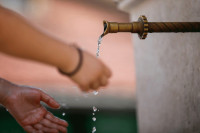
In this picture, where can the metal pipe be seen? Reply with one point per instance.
(143, 27)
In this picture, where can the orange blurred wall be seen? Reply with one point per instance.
(77, 22)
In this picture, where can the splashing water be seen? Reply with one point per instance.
(94, 109)
(63, 114)
(94, 129)
(95, 92)
(99, 43)
(94, 118)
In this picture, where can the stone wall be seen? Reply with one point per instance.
(167, 69)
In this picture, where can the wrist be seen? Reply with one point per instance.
(78, 65)
(6, 88)
(69, 60)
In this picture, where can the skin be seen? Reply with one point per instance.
(20, 38)
(24, 105)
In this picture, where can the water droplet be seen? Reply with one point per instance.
(93, 113)
(94, 109)
(95, 92)
(94, 118)
(94, 129)
(63, 114)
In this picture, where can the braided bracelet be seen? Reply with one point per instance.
(80, 52)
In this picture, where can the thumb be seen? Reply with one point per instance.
(49, 100)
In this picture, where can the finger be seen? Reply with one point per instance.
(84, 88)
(108, 72)
(40, 127)
(104, 81)
(29, 129)
(54, 119)
(94, 85)
(49, 100)
(40, 131)
(52, 125)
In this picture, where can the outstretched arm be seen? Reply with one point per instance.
(24, 105)
(19, 38)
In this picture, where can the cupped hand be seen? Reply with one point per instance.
(92, 74)
(24, 105)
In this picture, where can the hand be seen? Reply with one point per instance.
(92, 74)
(24, 105)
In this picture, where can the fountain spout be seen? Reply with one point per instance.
(114, 27)
(143, 27)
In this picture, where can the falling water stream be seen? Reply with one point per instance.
(96, 92)
(98, 47)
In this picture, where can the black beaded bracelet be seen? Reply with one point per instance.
(80, 52)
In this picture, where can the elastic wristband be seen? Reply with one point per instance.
(80, 52)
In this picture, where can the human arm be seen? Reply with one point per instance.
(21, 39)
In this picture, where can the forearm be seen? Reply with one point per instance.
(19, 38)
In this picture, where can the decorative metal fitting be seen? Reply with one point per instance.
(143, 27)
(143, 20)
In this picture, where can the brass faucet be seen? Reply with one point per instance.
(143, 27)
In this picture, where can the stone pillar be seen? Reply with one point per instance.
(167, 68)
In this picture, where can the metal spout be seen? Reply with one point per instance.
(114, 27)
(143, 27)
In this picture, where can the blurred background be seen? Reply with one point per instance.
(80, 22)
(165, 66)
